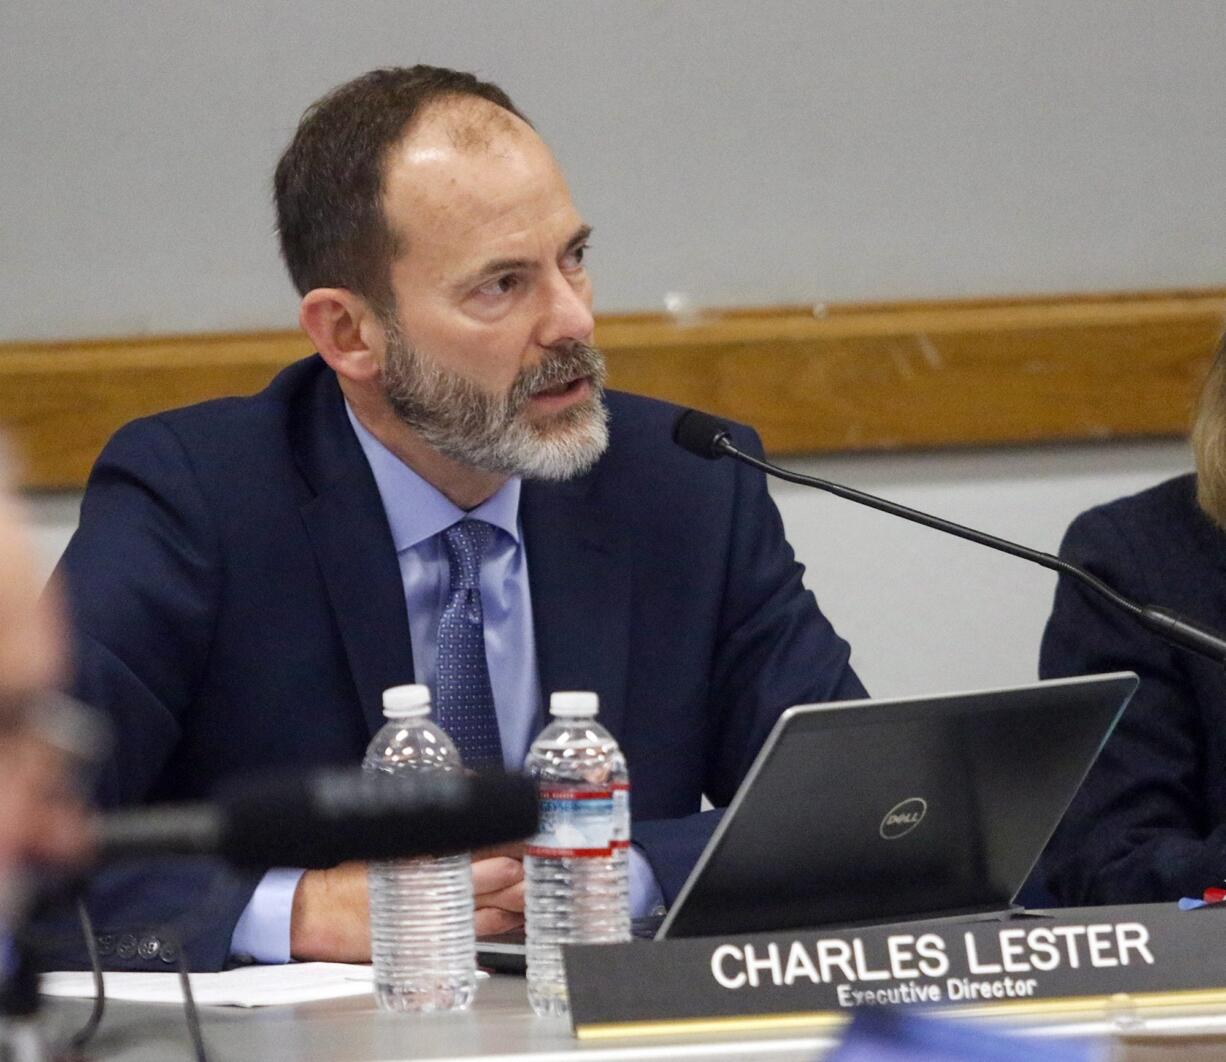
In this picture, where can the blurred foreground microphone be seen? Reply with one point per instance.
(704, 435)
(327, 817)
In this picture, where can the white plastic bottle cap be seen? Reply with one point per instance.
(404, 702)
(574, 704)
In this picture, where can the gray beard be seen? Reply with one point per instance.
(489, 432)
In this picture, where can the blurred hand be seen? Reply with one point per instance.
(42, 816)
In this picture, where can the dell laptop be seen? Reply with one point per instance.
(887, 810)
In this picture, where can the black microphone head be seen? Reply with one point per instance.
(325, 818)
(701, 434)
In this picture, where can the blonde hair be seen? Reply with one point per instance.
(1209, 440)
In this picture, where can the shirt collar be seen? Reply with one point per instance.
(417, 510)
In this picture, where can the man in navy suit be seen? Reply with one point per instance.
(249, 574)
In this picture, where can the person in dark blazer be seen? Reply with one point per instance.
(250, 574)
(1149, 823)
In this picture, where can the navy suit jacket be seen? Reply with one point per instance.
(1149, 823)
(237, 606)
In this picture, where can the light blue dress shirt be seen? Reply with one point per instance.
(417, 513)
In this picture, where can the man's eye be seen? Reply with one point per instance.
(502, 285)
(573, 258)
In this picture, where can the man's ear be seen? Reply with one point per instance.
(346, 332)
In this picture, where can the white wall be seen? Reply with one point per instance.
(926, 612)
(742, 153)
(922, 611)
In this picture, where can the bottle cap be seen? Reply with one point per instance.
(405, 702)
(572, 703)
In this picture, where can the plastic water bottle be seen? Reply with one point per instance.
(421, 910)
(576, 869)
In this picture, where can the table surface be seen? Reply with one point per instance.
(499, 1028)
(500, 1025)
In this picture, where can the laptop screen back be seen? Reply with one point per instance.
(884, 810)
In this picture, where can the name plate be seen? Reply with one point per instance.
(1112, 957)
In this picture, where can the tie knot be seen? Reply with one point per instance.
(467, 542)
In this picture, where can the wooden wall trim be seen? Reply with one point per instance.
(843, 377)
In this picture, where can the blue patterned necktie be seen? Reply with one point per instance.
(463, 699)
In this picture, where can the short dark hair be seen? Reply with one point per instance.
(328, 185)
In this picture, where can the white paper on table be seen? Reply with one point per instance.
(246, 986)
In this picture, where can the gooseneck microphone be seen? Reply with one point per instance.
(327, 817)
(704, 435)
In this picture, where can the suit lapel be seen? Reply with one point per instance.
(353, 546)
(578, 568)
(580, 578)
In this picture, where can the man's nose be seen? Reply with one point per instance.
(568, 312)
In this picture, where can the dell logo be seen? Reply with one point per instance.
(902, 818)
